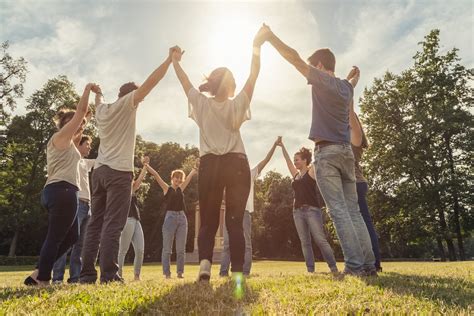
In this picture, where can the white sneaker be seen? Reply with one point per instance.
(204, 270)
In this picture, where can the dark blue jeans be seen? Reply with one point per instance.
(362, 189)
(75, 264)
(60, 199)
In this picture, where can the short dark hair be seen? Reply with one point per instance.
(85, 138)
(305, 154)
(126, 88)
(325, 57)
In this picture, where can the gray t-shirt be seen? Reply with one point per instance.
(331, 101)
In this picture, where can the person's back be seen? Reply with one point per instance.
(116, 129)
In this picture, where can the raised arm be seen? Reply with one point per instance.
(288, 53)
(188, 179)
(255, 65)
(182, 76)
(354, 76)
(356, 128)
(164, 186)
(152, 80)
(289, 163)
(138, 182)
(63, 138)
(269, 155)
(98, 96)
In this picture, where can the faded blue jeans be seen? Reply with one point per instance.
(225, 259)
(174, 226)
(309, 222)
(334, 165)
(132, 233)
(83, 214)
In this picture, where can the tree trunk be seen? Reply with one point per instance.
(447, 237)
(441, 249)
(12, 251)
(457, 207)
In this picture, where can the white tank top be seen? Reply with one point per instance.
(63, 165)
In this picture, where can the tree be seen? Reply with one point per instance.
(420, 125)
(25, 157)
(12, 77)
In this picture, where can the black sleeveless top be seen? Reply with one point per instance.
(134, 211)
(306, 192)
(174, 200)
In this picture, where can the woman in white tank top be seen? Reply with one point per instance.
(59, 195)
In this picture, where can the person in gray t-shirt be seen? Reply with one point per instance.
(334, 160)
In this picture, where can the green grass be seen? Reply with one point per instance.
(274, 288)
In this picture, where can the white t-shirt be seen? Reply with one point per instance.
(85, 166)
(253, 176)
(116, 126)
(219, 122)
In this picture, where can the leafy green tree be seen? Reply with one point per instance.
(25, 159)
(420, 125)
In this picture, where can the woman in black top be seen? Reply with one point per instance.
(132, 231)
(176, 223)
(307, 208)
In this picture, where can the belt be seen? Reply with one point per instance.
(325, 143)
(84, 200)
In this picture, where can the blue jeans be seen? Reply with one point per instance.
(132, 233)
(362, 189)
(225, 259)
(60, 199)
(175, 225)
(75, 258)
(309, 222)
(335, 176)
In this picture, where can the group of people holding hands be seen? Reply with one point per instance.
(219, 112)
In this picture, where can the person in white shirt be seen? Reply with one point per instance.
(247, 221)
(83, 214)
(112, 177)
(223, 162)
(59, 194)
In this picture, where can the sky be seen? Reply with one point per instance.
(113, 42)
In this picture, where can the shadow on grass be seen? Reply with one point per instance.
(8, 293)
(451, 291)
(200, 298)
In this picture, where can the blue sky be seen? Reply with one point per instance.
(112, 42)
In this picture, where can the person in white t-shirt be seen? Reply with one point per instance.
(224, 164)
(247, 221)
(112, 177)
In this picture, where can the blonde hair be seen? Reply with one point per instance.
(176, 173)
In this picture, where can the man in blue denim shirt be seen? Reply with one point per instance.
(334, 160)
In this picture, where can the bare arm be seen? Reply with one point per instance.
(63, 138)
(356, 129)
(182, 76)
(289, 163)
(267, 158)
(138, 182)
(255, 65)
(188, 179)
(353, 76)
(289, 54)
(164, 186)
(151, 81)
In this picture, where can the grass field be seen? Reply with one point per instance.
(274, 288)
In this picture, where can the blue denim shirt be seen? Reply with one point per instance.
(331, 101)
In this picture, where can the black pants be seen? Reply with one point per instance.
(216, 173)
(111, 196)
(60, 199)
